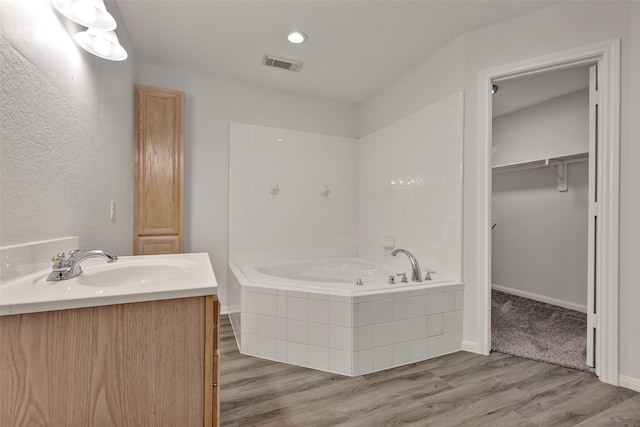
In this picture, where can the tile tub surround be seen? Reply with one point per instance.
(349, 335)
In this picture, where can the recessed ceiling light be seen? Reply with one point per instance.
(297, 37)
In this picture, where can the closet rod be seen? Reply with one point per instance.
(541, 163)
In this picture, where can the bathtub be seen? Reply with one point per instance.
(311, 313)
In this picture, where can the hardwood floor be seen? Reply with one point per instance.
(458, 389)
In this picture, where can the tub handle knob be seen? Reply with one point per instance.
(359, 282)
(404, 277)
(392, 280)
(429, 273)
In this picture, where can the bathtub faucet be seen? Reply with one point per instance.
(416, 275)
(67, 268)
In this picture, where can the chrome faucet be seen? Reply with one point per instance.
(416, 275)
(65, 268)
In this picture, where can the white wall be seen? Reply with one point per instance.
(556, 127)
(566, 25)
(66, 132)
(298, 221)
(211, 105)
(435, 78)
(539, 244)
(410, 188)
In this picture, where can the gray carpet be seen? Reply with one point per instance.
(538, 331)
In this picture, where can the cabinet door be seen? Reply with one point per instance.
(158, 163)
(155, 245)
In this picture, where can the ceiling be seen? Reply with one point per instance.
(518, 93)
(355, 47)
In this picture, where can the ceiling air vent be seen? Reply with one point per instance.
(285, 64)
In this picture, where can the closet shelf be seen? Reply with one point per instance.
(541, 163)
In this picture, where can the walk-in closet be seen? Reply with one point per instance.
(540, 216)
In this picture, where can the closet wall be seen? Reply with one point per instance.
(539, 243)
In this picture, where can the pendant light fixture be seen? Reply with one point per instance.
(104, 44)
(88, 13)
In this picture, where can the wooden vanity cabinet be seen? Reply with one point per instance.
(158, 171)
(139, 364)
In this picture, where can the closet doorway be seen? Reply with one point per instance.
(602, 300)
(541, 184)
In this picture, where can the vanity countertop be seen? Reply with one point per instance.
(130, 279)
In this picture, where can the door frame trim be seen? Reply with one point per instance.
(607, 55)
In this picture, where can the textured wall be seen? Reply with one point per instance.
(66, 132)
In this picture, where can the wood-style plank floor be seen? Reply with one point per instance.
(461, 389)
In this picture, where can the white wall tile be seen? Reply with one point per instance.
(382, 311)
(383, 334)
(434, 346)
(419, 328)
(250, 344)
(401, 353)
(382, 358)
(435, 325)
(318, 334)
(435, 303)
(365, 362)
(418, 350)
(282, 351)
(419, 305)
(451, 342)
(267, 326)
(282, 306)
(365, 314)
(253, 302)
(318, 311)
(318, 357)
(267, 348)
(340, 361)
(341, 338)
(297, 353)
(401, 309)
(268, 304)
(250, 324)
(363, 338)
(401, 331)
(297, 331)
(297, 308)
(340, 314)
(449, 301)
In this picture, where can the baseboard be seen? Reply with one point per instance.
(629, 382)
(541, 298)
(471, 347)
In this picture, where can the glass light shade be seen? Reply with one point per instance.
(104, 44)
(297, 37)
(88, 13)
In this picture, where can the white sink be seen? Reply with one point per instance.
(130, 279)
(130, 275)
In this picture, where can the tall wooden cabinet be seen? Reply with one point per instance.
(158, 169)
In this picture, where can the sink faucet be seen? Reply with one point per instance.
(416, 275)
(66, 268)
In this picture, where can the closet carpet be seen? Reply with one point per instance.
(535, 330)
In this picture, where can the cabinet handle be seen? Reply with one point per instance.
(215, 384)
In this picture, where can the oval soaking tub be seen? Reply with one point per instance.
(311, 312)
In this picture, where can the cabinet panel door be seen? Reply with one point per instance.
(155, 245)
(159, 161)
